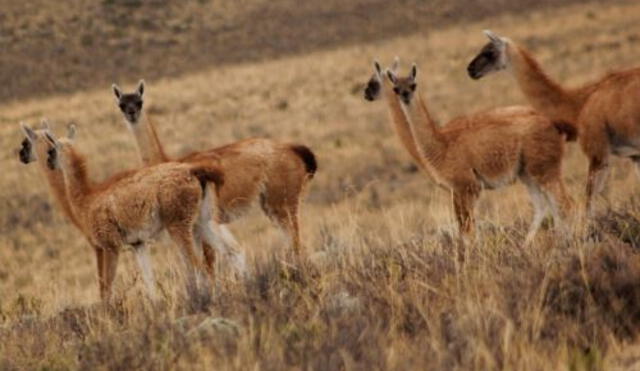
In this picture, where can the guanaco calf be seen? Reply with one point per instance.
(490, 149)
(133, 206)
(605, 112)
(274, 173)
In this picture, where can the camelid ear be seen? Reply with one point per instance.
(376, 65)
(116, 91)
(28, 132)
(395, 64)
(493, 37)
(414, 72)
(140, 88)
(52, 139)
(71, 131)
(44, 123)
(392, 76)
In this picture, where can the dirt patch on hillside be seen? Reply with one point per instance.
(52, 47)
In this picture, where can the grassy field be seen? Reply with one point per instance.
(381, 288)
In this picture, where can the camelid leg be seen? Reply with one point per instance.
(109, 269)
(596, 182)
(208, 252)
(561, 206)
(539, 204)
(143, 258)
(182, 235)
(283, 210)
(100, 262)
(464, 200)
(217, 236)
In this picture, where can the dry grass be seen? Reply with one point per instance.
(381, 288)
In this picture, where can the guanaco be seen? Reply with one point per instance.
(379, 87)
(274, 173)
(34, 148)
(489, 150)
(132, 207)
(605, 112)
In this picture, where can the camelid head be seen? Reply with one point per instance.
(373, 89)
(404, 87)
(492, 58)
(130, 104)
(57, 156)
(34, 146)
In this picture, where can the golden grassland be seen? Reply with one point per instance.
(382, 288)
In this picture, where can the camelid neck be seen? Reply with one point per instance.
(76, 181)
(55, 178)
(400, 123)
(429, 141)
(149, 146)
(543, 93)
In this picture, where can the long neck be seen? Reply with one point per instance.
(76, 182)
(542, 92)
(400, 123)
(429, 141)
(55, 178)
(149, 146)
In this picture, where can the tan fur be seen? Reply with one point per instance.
(54, 177)
(134, 206)
(255, 169)
(605, 112)
(490, 149)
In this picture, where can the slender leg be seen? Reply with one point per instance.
(183, 237)
(539, 204)
(109, 268)
(143, 259)
(218, 236)
(101, 278)
(463, 203)
(561, 206)
(596, 182)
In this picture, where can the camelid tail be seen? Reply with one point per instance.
(208, 174)
(567, 129)
(307, 157)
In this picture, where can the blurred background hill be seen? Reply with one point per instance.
(51, 47)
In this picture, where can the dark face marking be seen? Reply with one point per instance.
(405, 88)
(372, 90)
(484, 62)
(52, 155)
(131, 106)
(25, 152)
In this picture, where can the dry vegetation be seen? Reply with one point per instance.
(382, 288)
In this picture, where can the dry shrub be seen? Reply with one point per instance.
(597, 293)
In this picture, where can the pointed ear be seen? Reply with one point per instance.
(51, 139)
(71, 131)
(414, 72)
(116, 91)
(45, 124)
(140, 88)
(395, 64)
(376, 65)
(493, 37)
(392, 76)
(28, 132)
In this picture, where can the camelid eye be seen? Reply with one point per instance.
(396, 90)
(122, 106)
(139, 104)
(413, 86)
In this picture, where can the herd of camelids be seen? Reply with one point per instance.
(194, 196)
